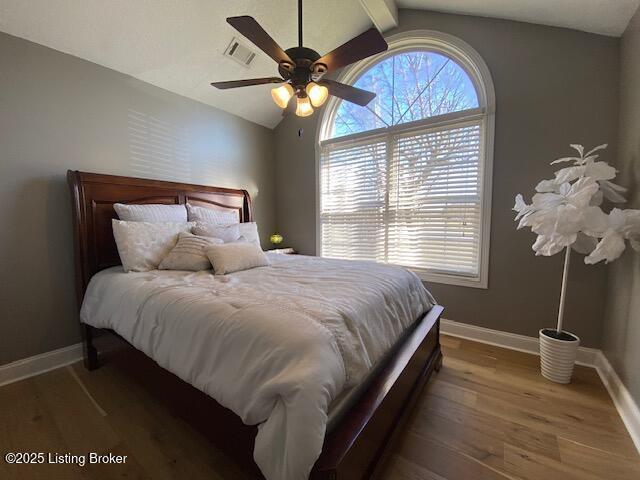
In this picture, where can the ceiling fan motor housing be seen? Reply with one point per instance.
(304, 71)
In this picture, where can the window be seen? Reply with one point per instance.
(406, 179)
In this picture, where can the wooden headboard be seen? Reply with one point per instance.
(93, 196)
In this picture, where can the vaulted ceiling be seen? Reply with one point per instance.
(606, 17)
(179, 45)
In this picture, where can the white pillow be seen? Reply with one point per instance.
(249, 230)
(189, 253)
(143, 245)
(151, 212)
(219, 217)
(228, 233)
(233, 257)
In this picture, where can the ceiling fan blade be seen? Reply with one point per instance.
(363, 46)
(246, 83)
(348, 93)
(252, 30)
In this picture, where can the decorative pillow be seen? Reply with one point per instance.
(189, 253)
(228, 233)
(233, 257)
(143, 245)
(219, 217)
(249, 230)
(151, 212)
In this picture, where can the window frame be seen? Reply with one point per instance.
(475, 67)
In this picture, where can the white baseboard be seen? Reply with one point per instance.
(28, 367)
(590, 357)
(512, 341)
(622, 399)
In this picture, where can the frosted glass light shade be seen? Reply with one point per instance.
(318, 94)
(304, 108)
(281, 95)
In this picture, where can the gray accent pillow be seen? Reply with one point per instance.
(189, 253)
(237, 256)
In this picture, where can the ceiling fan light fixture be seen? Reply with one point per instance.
(304, 108)
(302, 69)
(318, 94)
(282, 94)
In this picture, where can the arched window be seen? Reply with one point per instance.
(407, 179)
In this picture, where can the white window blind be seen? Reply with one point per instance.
(410, 198)
(353, 196)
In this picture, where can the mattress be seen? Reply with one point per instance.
(278, 345)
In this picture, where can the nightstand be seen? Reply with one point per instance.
(284, 251)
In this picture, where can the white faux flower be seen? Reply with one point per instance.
(608, 249)
(612, 192)
(582, 158)
(631, 228)
(586, 166)
(565, 211)
(611, 244)
(556, 217)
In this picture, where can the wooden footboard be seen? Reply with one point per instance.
(355, 446)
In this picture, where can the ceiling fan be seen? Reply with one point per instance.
(302, 69)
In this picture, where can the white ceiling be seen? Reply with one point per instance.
(606, 17)
(178, 45)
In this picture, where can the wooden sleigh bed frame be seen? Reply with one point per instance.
(356, 443)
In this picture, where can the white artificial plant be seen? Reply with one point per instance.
(566, 212)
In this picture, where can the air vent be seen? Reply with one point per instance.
(239, 53)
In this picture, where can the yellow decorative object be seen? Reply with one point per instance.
(276, 239)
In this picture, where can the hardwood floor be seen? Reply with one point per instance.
(487, 414)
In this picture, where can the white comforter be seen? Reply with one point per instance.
(274, 344)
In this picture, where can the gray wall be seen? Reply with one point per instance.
(59, 112)
(622, 317)
(553, 87)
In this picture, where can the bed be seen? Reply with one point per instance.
(362, 417)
